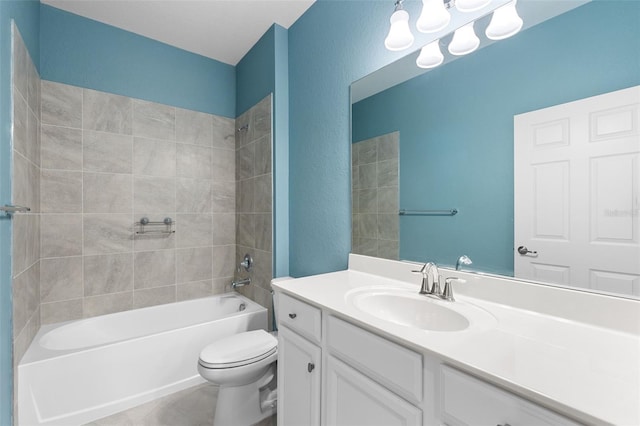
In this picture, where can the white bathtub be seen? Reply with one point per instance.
(80, 371)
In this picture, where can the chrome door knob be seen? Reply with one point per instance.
(524, 250)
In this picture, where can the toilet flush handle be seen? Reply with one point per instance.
(292, 316)
(310, 367)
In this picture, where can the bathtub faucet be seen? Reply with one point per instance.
(241, 283)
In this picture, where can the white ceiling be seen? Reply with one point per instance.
(224, 30)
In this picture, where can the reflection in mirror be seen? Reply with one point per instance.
(374, 180)
(456, 123)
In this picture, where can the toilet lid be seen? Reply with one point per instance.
(238, 349)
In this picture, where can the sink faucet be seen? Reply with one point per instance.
(430, 279)
(431, 282)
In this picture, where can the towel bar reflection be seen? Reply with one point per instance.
(144, 222)
(450, 212)
(10, 209)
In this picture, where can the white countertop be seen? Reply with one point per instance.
(587, 372)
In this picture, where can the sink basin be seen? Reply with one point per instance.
(411, 311)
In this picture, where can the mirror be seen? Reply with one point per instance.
(454, 128)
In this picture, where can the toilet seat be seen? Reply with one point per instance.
(238, 350)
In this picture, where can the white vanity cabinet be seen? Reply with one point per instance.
(299, 362)
(467, 401)
(370, 380)
(335, 373)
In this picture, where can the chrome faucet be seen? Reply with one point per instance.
(431, 282)
(430, 279)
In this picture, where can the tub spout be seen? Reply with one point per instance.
(241, 283)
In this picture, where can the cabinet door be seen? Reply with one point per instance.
(467, 401)
(299, 376)
(353, 399)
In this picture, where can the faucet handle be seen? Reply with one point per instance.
(447, 293)
(424, 286)
(422, 270)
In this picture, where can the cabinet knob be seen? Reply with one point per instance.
(310, 367)
(292, 316)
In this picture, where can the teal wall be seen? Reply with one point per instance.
(333, 44)
(27, 17)
(263, 70)
(281, 155)
(456, 125)
(255, 73)
(86, 53)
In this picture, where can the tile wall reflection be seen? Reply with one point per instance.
(108, 160)
(375, 196)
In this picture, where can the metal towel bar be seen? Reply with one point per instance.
(9, 209)
(451, 212)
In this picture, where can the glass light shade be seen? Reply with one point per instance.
(505, 22)
(430, 55)
(434, 16)
(399, 37)
(471, 5)
(464, 41)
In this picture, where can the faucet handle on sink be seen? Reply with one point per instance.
(425, 287)
(447, 293)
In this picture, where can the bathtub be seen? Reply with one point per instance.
(80, 371)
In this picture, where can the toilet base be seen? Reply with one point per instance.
(247, 404)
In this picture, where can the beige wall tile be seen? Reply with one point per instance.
(61, 192)
(107, 304)
(107, 152)
(112, 273)
(154, 268)
(154, 296)
(61, 104)
(106, 112)
(60, 279)
(61, 311)
(61, 235)
(194, 127)
(61, 148)
(153, 120)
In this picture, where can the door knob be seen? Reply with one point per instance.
(523, 250)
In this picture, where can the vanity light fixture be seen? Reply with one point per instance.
(464, 40)
(399, 37)
(505, 22)
(430, 55)
(434, 16)
(471, 5)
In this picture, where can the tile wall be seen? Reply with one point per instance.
(254, 200)
(26, 192)
(109, 160)
(375, 197)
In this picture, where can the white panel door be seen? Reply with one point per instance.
(577, 193)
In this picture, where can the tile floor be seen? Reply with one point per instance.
(194, 406)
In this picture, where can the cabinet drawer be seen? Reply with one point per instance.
(299, 316)
(470, 401)
(392, 365)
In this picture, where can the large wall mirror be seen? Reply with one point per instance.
(448, 134)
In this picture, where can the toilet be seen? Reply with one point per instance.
(244, 366)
